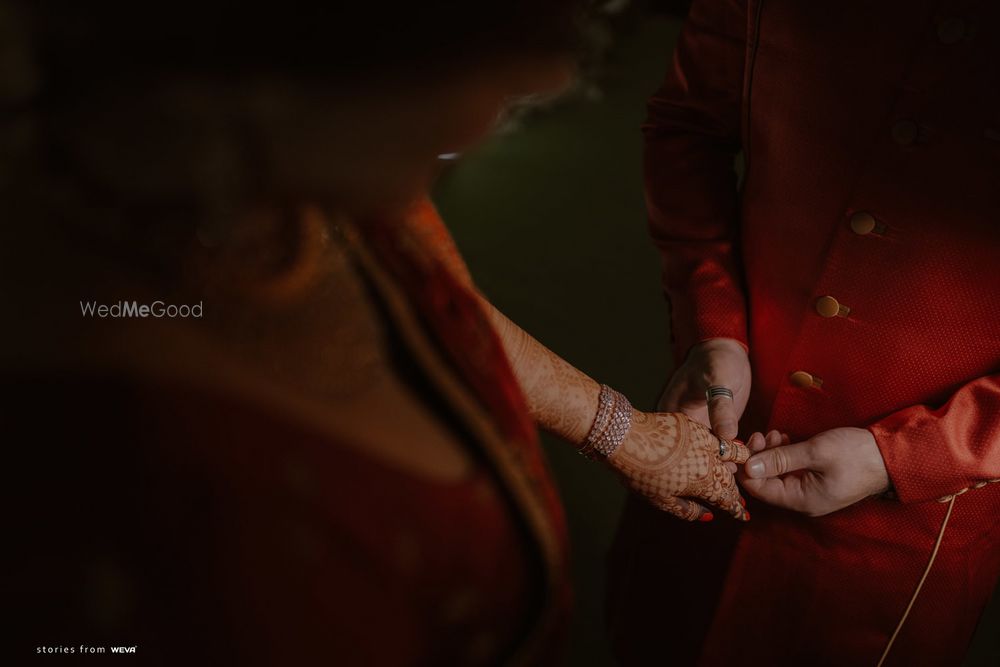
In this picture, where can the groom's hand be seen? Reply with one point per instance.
(719, 362)
(825, 473)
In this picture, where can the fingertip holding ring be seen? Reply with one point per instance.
(739, 453)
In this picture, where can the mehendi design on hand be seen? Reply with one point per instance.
(669, 458)
(561, 399)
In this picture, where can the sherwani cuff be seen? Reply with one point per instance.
(937, 454)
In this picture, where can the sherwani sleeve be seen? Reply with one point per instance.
(691, 139)
(934, 453)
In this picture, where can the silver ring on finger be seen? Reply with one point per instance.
(723, 448)
(716, 390)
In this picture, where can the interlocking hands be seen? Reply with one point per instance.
(823, 474)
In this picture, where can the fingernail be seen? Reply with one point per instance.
(755, 468)
(738, 441)
(705, 518)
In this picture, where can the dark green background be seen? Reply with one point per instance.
(550, 218)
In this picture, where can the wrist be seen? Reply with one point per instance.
(879, 474)
(731, 344)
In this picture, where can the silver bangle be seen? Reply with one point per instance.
(611, 424)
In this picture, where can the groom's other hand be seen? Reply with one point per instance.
(717, 362)
(821, 475)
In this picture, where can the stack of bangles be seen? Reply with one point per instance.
(611, 425)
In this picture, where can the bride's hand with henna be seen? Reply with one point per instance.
(670, 459)
(675, 463)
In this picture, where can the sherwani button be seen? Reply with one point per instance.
(951, 31)
(827, 306)
(801, 379)
(905, 132)
(862, 223)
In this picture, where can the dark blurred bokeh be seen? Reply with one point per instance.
(549, 215)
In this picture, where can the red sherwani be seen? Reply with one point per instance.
(859, 263)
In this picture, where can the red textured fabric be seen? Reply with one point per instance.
(890, 109)
(194, 524)
(208, 528)
(422, 257)
(695, 190)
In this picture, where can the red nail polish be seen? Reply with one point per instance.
(706, 517)
(746, 516)
(743, 501)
